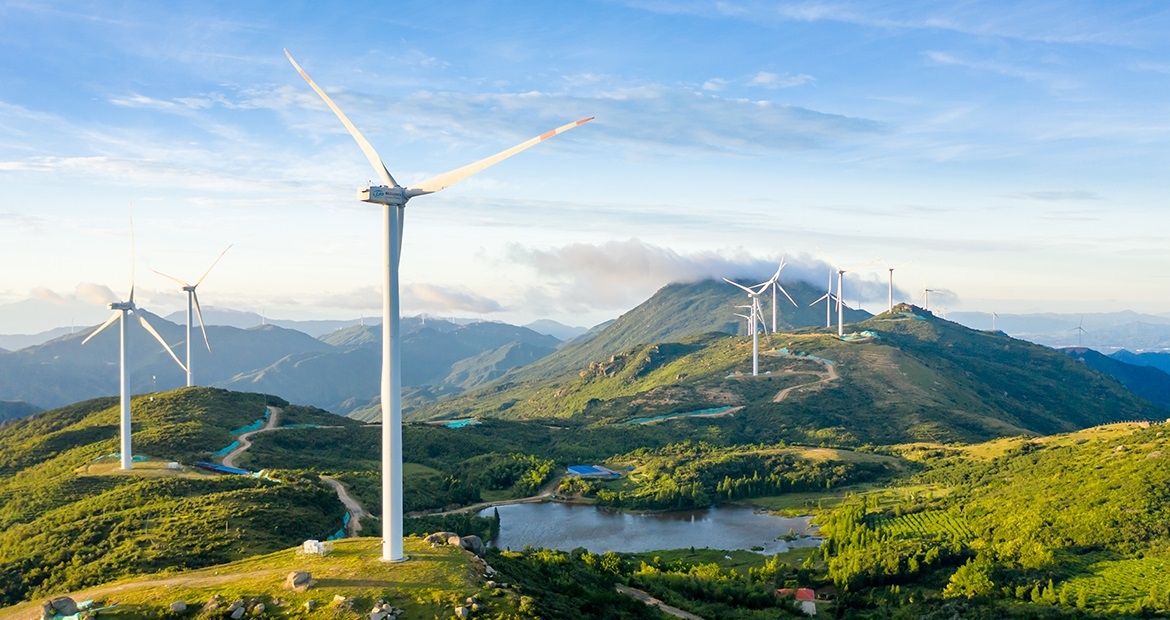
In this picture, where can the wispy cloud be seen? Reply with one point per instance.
(1058, 195)
(1046, 78)
(780, 80)
(415, 298)
(85, 292)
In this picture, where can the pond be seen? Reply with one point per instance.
(565, 527)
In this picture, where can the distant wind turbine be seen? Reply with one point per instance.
(121, 308)
(193, 301)
(828, 297)
(774, 282)
(1080, 330)
(754, 295)
(891, 268)
(393, 198)
(841, 299)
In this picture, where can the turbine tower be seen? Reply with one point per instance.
(393, 198)
(193, 301)
(754, 295)
(121, 308)
(891, 268)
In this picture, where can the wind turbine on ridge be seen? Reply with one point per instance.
(393, 198)
(891, 268)
(121, 308)
(754, 295)
(829, 298)
(841, 299)
(774, 282)
(193, 300)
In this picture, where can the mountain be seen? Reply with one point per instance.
(1157, 359)
(677, 311)
(906, 376)
(348, 377)
(1104, 331)
(15, 342)
(1152, 384)
(560, 331)
(339, 371)
(12, 409)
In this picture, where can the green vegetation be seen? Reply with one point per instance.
(430, 585)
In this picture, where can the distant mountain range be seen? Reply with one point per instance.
(1103, 331)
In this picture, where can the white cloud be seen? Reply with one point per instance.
(715, 84)
(86, 292)
(434, 298)
(780, 80)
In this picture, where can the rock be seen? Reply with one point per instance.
(474, 544)
(490, 584)
(454, 540)
(237, 604)
(238, 613)
(470, 600)
(342, 603)
(440, 537)
(378, 615)
(62, 605)
(462, 612)
(299, 581)
(310, 605)
(179, 606)
(212, 604)
(258, 610)
(475, 607)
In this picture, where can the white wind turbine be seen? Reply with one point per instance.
(193, 301)
(774, 282)
(120, 309)
(841, 300)
(829, 299)
(754, 321)
(891, 268)
(393, 198)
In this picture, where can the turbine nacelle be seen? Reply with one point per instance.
(383, 195)
(123, 305)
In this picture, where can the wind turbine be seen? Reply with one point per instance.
(841, 300)
(828, 297)
(121, 308)
(393, 198)
(193, 300)
(774, 282)
(926, 296)
(891, 268)
(1080, 330)
(754, 295)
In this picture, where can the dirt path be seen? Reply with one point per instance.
(355, 509)
(831, 375)
(245, 443)
(653, 602)
(545, 494)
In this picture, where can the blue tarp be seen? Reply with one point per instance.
(678, 415)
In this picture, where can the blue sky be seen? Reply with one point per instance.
(1016, 156)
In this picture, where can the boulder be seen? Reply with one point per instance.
(60, 606)
(462, 612)
(238, 613)
(213, 604)
(179, 606)
(310, 605)
(258, 609)
(440, 537)
(454, 540)
(473, 544)
(299, 581)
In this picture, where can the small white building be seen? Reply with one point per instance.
(313, 547)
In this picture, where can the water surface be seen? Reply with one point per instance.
(565, 527)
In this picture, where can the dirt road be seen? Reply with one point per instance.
(245, 439)
(653, 602)
(355, 509)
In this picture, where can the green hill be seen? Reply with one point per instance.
(70, 518)
(914, 377)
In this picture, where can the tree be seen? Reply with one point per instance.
(971, 579)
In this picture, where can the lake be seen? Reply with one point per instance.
(554, 525)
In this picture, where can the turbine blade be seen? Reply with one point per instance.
(818, 300)
(170, 277)
(199, 313)
(748, 290)
(159, 338)
(371, 155)
(786, 293)
(132, 270)
(109, 321)
(200, 280)
(448, 179)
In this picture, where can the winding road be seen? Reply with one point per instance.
(355, 509)
(245, 439)
(831, 375)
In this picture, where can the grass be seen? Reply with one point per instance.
(739, 560)
(430, 584)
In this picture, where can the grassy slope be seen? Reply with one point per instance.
(68, 517)
(431, 584)
(922, 379)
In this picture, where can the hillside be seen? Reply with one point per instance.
(1068, 525)
(678, 311)
(70, 518)
(917, 378)
(1149, 382)
(440, 579)
(1157, 359)
(12, 409)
